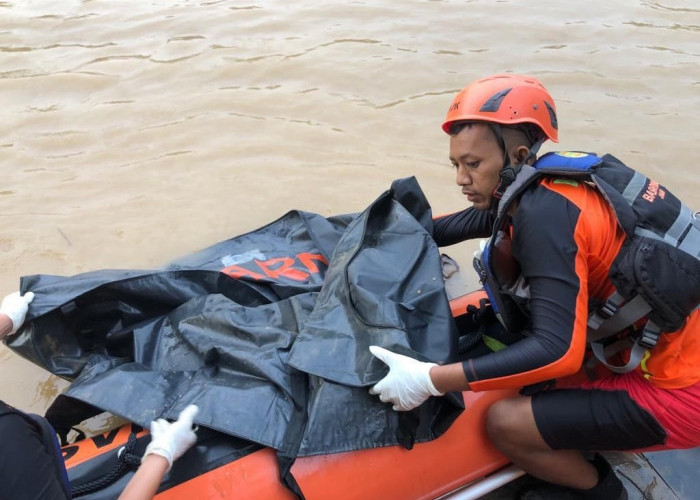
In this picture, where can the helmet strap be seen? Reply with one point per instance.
(534, 149)
(509, 172)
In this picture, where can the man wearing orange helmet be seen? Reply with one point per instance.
(560, 236)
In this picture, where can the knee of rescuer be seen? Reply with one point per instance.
(504, 419)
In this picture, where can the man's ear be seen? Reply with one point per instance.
(520, 154)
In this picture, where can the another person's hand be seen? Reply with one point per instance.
(15, 307)
(408, 383)
(172, 440)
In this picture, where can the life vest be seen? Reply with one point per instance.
(656, 273)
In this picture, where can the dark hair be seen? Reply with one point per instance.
(458, 126)
(532, 132)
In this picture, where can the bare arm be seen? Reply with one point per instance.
(5, 325)
(144, 484)
(169, 440)
(448, 378)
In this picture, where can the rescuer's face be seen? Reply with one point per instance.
(478, 159)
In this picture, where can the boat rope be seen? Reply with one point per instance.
(471, 339)
(126, 460)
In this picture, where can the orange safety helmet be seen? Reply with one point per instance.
(507, 100)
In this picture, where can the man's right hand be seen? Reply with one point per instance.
(171, 439)
(408, 383)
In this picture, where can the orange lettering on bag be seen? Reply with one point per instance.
(308, 259)
(285, 268)
(240, 272)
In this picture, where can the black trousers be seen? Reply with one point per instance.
(592, 419)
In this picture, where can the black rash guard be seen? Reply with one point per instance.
(547, 235)
(461, 226)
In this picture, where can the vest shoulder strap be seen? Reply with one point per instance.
(566, 163)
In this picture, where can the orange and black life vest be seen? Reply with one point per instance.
(656, 273)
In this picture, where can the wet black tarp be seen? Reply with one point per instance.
(267, 332)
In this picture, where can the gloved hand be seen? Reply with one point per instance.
(15, 306)
(408, 383)
(172, 440)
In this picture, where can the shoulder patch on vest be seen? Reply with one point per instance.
(567, 161)
(570, 182)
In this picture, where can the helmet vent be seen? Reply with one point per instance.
(494, 102)
(552, 115)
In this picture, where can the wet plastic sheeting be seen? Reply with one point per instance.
(365, 422)
(363, 303)
(267, 332)
(227, 358)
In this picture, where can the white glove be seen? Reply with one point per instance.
(408, 383)
(15, 306)
(172, 440)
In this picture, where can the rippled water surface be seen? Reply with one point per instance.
(133, 132)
